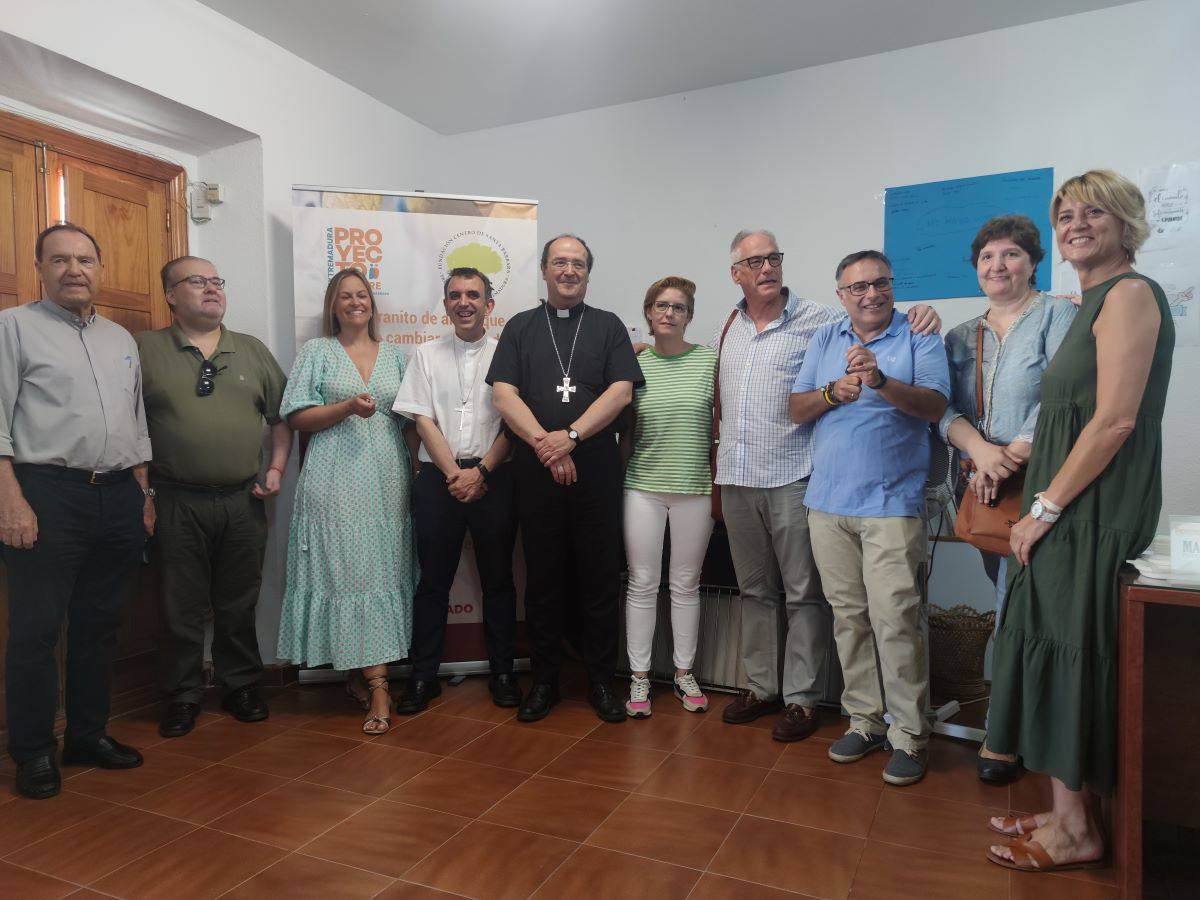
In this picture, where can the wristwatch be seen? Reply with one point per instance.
(1044, 511)
(573, 434)
(483, 471)
(882, 381)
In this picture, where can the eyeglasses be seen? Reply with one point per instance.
(205, 384)
(756, 262)
(662, 306)
(859, 288)
(199, 282)
(561, 264)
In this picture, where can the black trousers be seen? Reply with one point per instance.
(212, 545)
(81, 569)
(582, 522)
(441, 524)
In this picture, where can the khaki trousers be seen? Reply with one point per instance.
(868, 569)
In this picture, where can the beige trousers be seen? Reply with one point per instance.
(868, 569)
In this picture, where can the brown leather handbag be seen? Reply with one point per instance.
(717, 513)
(987, 526)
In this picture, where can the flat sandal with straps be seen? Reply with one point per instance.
(376, 725)
(1015, 826)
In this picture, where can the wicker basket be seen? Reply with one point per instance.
(958, 639)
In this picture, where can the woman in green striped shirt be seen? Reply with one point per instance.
(667, 478)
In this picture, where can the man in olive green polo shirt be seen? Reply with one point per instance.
(207, 392)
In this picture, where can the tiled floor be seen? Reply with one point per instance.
(462, 800)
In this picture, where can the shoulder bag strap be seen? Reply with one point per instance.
(716, 422)
(979, 372)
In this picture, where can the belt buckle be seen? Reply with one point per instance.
(92, 478)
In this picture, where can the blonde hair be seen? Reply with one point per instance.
(1114, 194)
(329, 321)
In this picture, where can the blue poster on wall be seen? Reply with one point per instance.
(928, 229)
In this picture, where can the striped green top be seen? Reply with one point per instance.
(674, 423)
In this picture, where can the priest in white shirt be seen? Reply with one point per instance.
(463, 483)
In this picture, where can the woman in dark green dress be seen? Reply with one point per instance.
(1092, 497)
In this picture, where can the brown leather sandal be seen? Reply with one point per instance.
(376, 725)
(1030, 856)
(1015, 826)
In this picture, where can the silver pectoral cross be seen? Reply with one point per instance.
(566, 389)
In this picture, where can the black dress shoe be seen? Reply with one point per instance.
(417, 695)
(179, 719)
(538, 702)
(505, 690)
(106, 753)
(246, 704)
(38, 778)
(605, 702)
(998, 771)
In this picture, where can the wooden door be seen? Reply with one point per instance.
(128, 215)
(18, 222)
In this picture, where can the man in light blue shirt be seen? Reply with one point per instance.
(871, 386)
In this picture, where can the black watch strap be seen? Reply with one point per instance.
(882, 380)
(483, 470)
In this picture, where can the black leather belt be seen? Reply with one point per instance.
(469, 463)
(218, 489)
(82, 475)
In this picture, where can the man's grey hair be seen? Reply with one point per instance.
(745, 233)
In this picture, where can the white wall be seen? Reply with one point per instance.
(660, 186)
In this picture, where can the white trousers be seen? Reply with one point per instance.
(646, 516)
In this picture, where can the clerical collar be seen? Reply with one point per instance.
(569, 313)
(469, 345)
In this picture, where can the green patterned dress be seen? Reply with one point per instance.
(351, 562)
(1054, 678)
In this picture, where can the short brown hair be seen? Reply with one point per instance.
(165, 272)
(1017, 228)
(64, 226)
(1114, 194)
(329, 322)
(681, 284)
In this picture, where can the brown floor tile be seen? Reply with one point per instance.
(608, 765)
(732, 743)
(139, 728)
(223, 739)
(18, 882)
(207, 794)
(812, 758)
(490, 861)
(1032, 886)
(704, 781)
(522, 749)
(302, 877)
(292, 815)
(122, 785)
(806, 860)
(886, 871)
(655, 733)
(570, 717)
(406, 890)
(345, 720)
(204, 863)
(565, 809)
(817, 803)
(938, 825)
(1031, 793)
(952, 775)
(718, 887)
(459, 787)
(292, 707)
(88, 894)
(25, 821)
(474, 705)
(386, 837)
(8, 789)
(372, 769)
(592, 872)
(666, 830)
(292, 754)
(97, 846)
(433, 733)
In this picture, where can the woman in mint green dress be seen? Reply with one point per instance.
(1093, 493)
(351, 567)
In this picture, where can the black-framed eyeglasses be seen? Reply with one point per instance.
(859, 288)
(662, 306)
(756, 262)
(205, 384)
(199, 282)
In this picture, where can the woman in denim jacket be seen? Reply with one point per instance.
(1022, 329)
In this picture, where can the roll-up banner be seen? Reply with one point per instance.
(405, 243)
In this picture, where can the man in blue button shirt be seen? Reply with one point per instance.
(872, 386)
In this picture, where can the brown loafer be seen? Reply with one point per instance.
(796, 724)
(746, 707)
